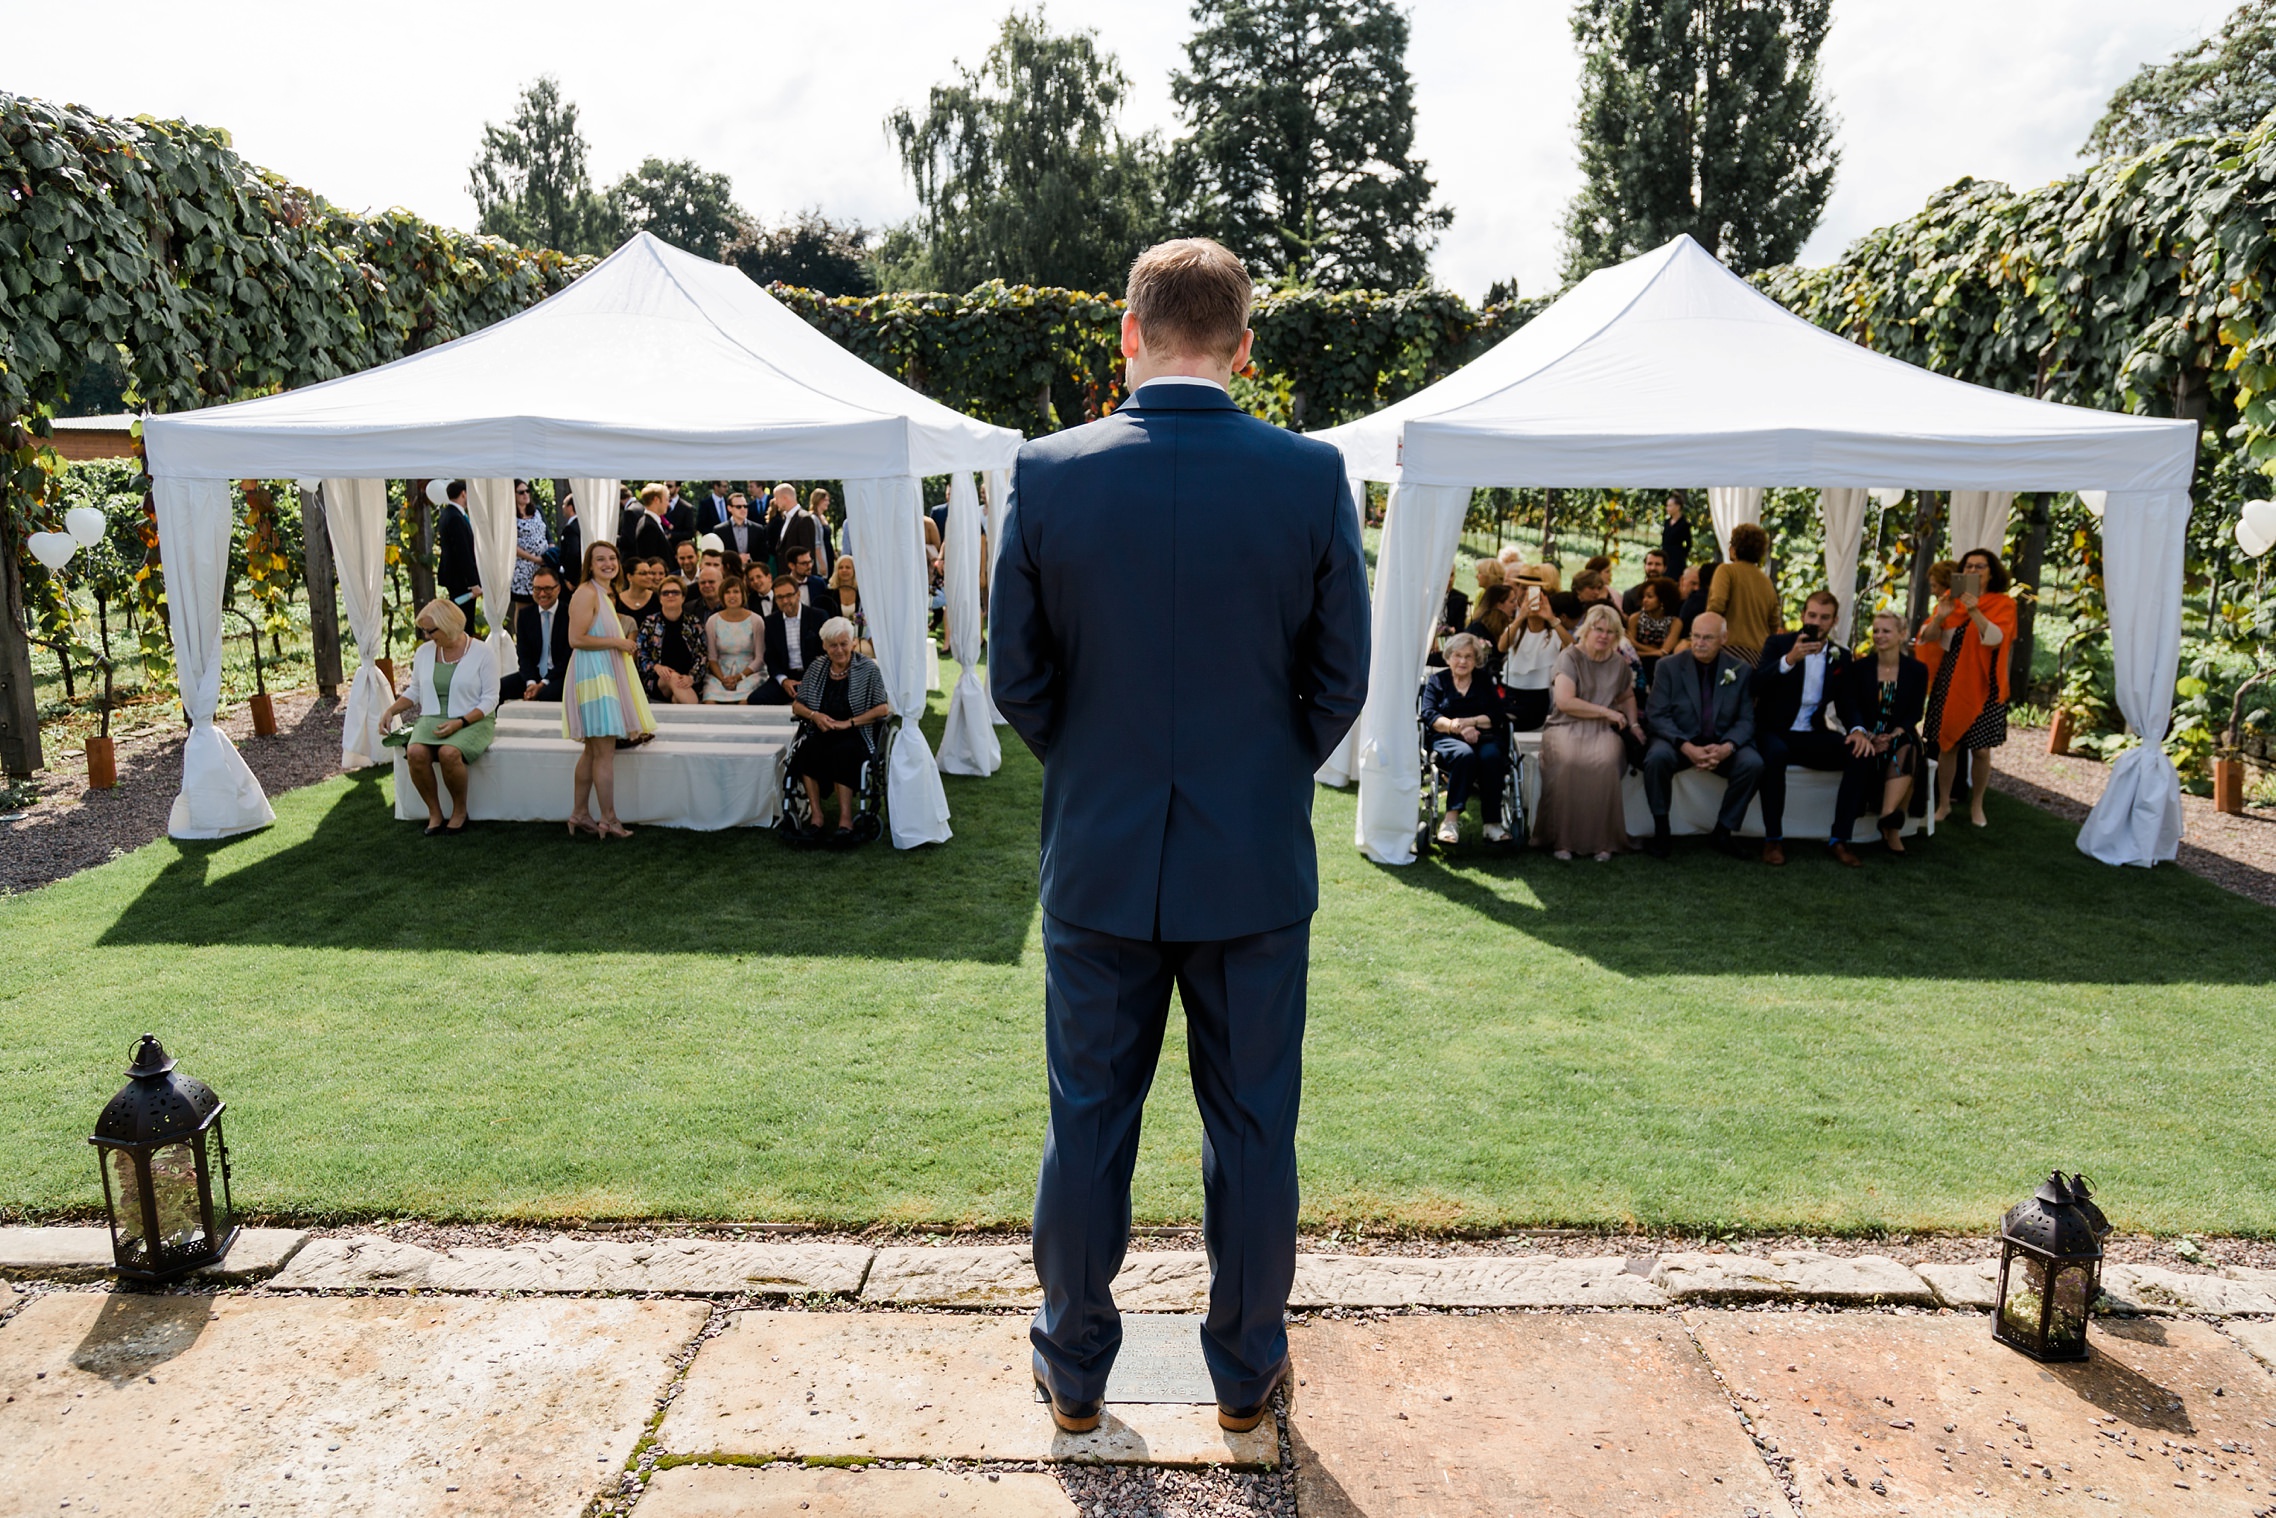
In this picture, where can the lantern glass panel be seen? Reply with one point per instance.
(181, 1213)
(127, 1184)
(2066, 1330)
(2022, 1312)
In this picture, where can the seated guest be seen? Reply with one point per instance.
(843, 698)
(1461, 710)
(1566, 607)
(1453, 616)
(1598, 564)
(1632, 599)
(704, 602)
(1489, 573)
(798, 568)
(1742, 595)
(1529, 646)
(454, 689)
(1583, 757)
(844, 600)
(1511, 558)
(1880, 700)
(541, 642)
(731, 637)
(758, 587)
(1653, 627)
(1493, 619)
(670, 655)
(1592, 587)
(1701, 716)
(1794, 684)
(636, 596)
(794, 640)
(712, 550)
(686, 560)
(1691, 596)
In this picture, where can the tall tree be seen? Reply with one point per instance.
(1021, 169)
(692, 210)
(1700, 116)
(1302, 126)
(809, 251)
(2224, 83)
(530, 181)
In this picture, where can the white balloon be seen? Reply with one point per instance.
(2094, 501)
(2256, 528)
(438, 491)
(85, 524)
(1889, 495)
(54, 549)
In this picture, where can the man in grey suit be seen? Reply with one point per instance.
(1701, 716)
(1179, 631)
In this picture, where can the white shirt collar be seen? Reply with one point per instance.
(1181, 379)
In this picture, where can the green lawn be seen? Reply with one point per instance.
(690, 1025)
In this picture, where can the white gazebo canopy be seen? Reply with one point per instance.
(655, 364)
(1669, 370)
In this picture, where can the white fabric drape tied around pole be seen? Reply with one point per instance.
(490, 507)
(882, 515)
(355, 517)
(1730, 505)
(997, 484)
(1339, 769)
(219, 796)
(1842, 509)
(1978, 520)
(1420, 528)
(2138, 819)
(596, 516)
(968, 744)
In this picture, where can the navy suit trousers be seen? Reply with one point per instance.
(1106, 1000)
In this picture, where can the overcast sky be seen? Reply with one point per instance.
(374, 107)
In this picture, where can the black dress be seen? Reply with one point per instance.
(833, 758)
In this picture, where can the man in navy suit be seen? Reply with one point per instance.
(541, 642)
(1794, 684)
(1179, 632)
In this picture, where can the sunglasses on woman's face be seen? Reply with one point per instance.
(426, 630)
(671, 594)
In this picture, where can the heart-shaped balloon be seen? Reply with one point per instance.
(2094, 501)
(1889, 495)
(85, 524)
(438, 492)
(2256, 528)
(54, 549)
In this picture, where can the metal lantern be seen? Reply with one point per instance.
(160, 1149)
(2050, 1270)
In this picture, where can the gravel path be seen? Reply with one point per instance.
(2236, 853)
(72, 828)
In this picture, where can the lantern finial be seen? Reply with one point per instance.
(150, 1058)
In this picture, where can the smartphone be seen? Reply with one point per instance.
(1970, 583)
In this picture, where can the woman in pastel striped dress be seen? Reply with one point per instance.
(603, 701)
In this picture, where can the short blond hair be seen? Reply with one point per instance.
(444, 614)
(1191, 297)
(652, 493)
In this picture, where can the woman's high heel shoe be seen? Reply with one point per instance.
(583, 825)
(609, 827)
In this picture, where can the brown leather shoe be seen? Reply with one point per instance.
(1239, 1420)
(1844, 854)
(1773, 852)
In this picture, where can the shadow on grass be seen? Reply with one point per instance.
(2017, 901)
(352, 877)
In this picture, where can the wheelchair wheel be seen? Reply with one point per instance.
(1423, 838)
(868, 828)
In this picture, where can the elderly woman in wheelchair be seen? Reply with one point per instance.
(841, 702)
(1465, 722)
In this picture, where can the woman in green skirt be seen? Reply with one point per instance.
(454, 689)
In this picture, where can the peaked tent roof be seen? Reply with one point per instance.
(1671, 370)
(653, 363)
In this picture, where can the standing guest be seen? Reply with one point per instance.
(1794, 682)
(605, 704)
(843, 697)
(1653, 628)
(1701, 716)
(455, 567)
(740, 533)
(805, 526)
(1583, 757)
(794, 640)
(782, 507)
(1928, 644)
(531, 547)
(732, 637)
(711, 511)
(454, 689)
(1655, 568)
(1675, 539)
(679, 512)
(1529, 647)
(541, 642)
(843, 599)
(1742, 595)
(568, 554)
(1880, 703)
(646, 534)
(1978, 627)
(670, 652)
(1462, 711)
(826, 543)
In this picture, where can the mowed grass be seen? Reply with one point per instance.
(516, 1025)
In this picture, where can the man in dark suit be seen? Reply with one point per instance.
(711, 511)
(793, 641)
(646, 533)
(455, 568)
(746, 539)
(679, 513)
(1701, 716)
(1795, 681)
(1180, 634)
(568, 551)
(805, 528)
(798, 568)
(541, 642)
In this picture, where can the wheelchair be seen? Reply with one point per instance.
(799, 828)
(1431, 797)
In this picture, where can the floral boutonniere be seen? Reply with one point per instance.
(1730, 675)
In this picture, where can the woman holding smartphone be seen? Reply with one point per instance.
(1976, 624)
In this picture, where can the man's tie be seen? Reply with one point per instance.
(545, 643)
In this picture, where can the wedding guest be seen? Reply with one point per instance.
(679, 512)
(798, 567)
(1529, 647)
(1701, 716)
(541, 642)
(711, 511)
(758, 586)
(646, 533)
(636, 597)
(746, 537)
(1583, 757)
(1495, 607)
(568, 555)
(685, 562)
(1880, 704)
(844, 600)
(1928, 642)
(1592, 587)
(1462, 711)
(1742, 595)
(805, 526)
(1655, 568)
(794, 640)
(1794, 684)
(454, 689)
(1978, 629)
(843, 698)
(703, 599)
(455, 567)
(1654, 629)
(1453, 616)
(531, 547)
(670, 653)
(1691, 597)
(732, 637)
(1675, 540)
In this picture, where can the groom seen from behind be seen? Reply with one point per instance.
(1178, 734)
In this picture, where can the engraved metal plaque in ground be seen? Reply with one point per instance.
(1160, 1361)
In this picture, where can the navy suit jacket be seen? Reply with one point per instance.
(1778, 690)
(1179, 630)
(527, 651)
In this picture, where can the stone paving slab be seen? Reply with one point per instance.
(373, 1407)
(726, 1491)
(1879, 1413)
(698, 1267)
(1469, 1281)
(1789, 1275)
(2260, 1338)
(913, 1386)
(1003, 1275)
(2150, 1288)
(1593, 1417)
(84, 1254)
(1972, 1285)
